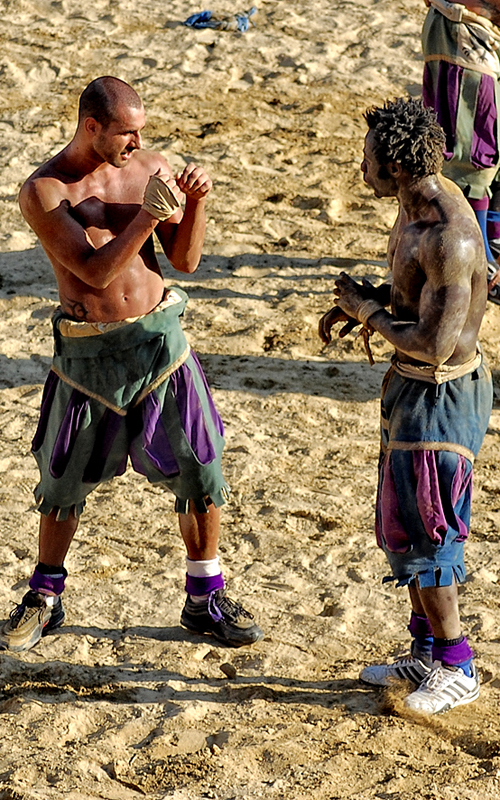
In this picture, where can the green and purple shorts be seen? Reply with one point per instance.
(430, 436)
(129, 390)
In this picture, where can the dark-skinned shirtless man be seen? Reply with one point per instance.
(124, 383)
(436, 396)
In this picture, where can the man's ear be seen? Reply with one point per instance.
(394, 169)
(91, 125)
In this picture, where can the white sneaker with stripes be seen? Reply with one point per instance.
(407, 668)
(442, 689)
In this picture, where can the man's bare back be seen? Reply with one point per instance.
(85, 206)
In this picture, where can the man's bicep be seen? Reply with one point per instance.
(58, 232)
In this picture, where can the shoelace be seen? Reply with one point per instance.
(220, 606)
(438, 678)
(19, 611)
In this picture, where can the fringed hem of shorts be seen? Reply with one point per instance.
(46, 508)
(202, 503)
(436, 576)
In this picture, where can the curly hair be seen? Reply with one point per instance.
(102, 98)
(409, 133)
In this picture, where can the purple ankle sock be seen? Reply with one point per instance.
(205, 585)
(421, 631)
(48, 580)
(453, 653)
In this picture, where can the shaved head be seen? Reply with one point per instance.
(103, 97)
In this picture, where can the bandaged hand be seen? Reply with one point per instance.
(159, 199)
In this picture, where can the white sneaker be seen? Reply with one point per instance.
(442, 689)
(407, 668)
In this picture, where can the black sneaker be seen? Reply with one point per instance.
(35, 616)
(223, 618)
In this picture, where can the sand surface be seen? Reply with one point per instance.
(122, 703)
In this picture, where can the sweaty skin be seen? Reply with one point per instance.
(437, 299)
(85, 206)
(438, 292)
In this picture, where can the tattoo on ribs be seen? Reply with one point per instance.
(76, 309)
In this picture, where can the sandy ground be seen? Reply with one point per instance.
(122, 703)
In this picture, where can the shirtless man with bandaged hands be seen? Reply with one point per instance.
(124, 382)
(436, 396)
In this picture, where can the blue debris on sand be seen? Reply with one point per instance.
(238, 22)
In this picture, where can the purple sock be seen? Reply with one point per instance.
(453, 653)
(423, 638)
(204, 585)
(48, 580)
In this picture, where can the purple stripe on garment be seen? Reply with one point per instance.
(155, 441)
(213, 411)
(199, 586)
(444, 100)
(395, 536)
(450, 655)
(484, 152)
(462, 483)
(107, 430)
(429, 503)
(49, 391)
(191, 414)
(71, 424)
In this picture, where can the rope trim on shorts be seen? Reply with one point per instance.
(150, 388)
(162, 377)
(450, 446)
(86, 391)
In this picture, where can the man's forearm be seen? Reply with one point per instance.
(415, 340)
(102, 265)
(185, 247)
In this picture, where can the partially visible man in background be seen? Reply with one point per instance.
(460, 43)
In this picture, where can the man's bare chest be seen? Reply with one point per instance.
(105, 207)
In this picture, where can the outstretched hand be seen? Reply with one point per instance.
(194, 182)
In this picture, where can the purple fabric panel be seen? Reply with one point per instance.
(454, 654)
(479, 204)
(198, 586)
(47, 584)
(484, 151)
(107, 430)
(155, 441)
(428, 496)
(49, 391)
(462, 483)
(191, 414)
(73, 419)
(395, 536)
(428, 94)
(446, 102)
(419, 626)
(213, 411)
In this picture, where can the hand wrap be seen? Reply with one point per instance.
(365, 310)
(159, 199)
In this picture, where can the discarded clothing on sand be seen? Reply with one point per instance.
(237, 22)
